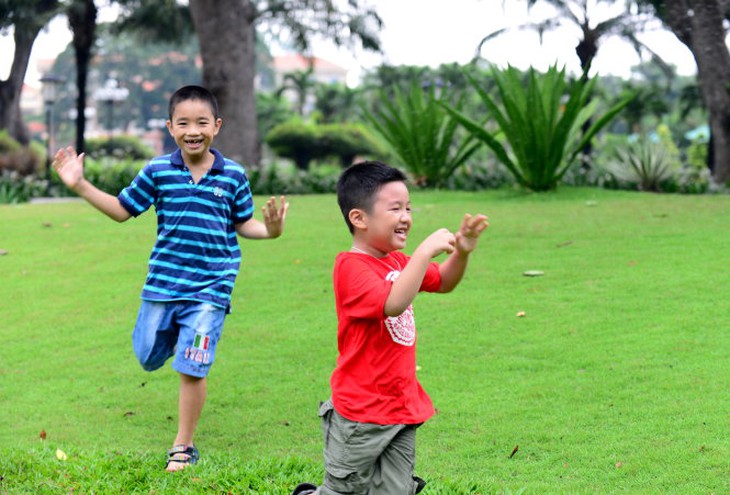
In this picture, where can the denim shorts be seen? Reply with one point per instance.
(188, 330)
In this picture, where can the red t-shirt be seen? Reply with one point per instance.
(375, 378)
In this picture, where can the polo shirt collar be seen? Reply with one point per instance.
(218, 161)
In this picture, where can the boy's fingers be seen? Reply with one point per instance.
(479, 222)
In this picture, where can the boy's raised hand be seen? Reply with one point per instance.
(441, 241)
(70, 166)
(468, 234)
(274, 217)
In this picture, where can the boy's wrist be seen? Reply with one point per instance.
(462, 253)
(80, 186)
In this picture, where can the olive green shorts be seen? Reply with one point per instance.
(366, 458)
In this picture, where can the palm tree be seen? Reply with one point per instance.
(301, 82)
(579, 13)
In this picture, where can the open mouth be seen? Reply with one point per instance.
(194, 142)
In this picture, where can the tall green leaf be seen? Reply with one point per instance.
(540, 118)
(422, 134)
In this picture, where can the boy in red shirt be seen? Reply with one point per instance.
(370, 422)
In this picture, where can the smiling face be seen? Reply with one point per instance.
(384, 227)
(193, 126)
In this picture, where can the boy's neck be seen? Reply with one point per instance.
(366, 249)
(204, 160)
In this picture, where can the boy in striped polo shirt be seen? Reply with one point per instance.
(203, 201)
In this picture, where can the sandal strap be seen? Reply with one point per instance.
(184, 454)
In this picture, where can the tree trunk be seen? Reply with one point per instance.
(699, 25)
(10, 89)
(82, 19)
(227, 35)
(24, 36)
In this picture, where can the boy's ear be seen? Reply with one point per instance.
(168, 123)
(357, 218)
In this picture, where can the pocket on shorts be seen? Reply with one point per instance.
(344, 471)
(325, 408)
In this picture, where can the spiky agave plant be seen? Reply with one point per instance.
(646, 164)
(422, 134)
(538, 123)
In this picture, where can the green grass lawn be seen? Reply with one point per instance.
(615, 381)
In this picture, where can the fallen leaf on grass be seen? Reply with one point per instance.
(61, 455)
(43, 434)
(514, 451)
(619, 464)
(128, 414)
(533, 273)
(3, 252)
(47, 224)
(521, 314)
(563, 244)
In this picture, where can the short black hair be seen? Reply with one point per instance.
(192, 92)
(359, 184)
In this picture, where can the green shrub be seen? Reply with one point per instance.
(270, 180)
(644, 164)
(111, 175)
(479, 175)
(7, 143)
(539, 123)
(422, 134)
(276, 179)
(697, 152)
(693, 180)
(119, 147)
(15, 188)
(348, 141)
(15, 157)
(295, 140)
(303, 142)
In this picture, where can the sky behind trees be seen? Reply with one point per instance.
(423, 32)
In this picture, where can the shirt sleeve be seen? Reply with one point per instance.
(361, 291)
(432, 278)
(243, 202)
(138, 196)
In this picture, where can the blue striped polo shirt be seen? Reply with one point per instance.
(196, 256)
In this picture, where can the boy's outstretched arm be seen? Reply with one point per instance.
(70, 168)
(452, 270)
(405, 287)
(273, 224)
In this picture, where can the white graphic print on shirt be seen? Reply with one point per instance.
(402, 328)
